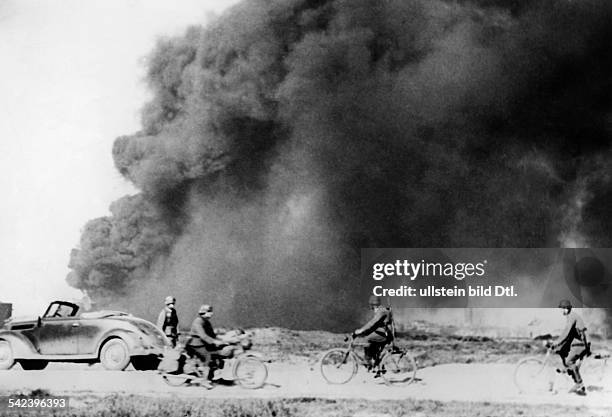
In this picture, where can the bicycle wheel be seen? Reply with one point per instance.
(533, 375)
(250, 372)
(338, 366)
(398, 367)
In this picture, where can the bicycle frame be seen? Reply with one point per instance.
(393, 364)
(546, 371)
(547, 358)
(351, 349)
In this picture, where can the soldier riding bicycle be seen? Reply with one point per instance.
(204, 344)
(379, 332)
(205, 352)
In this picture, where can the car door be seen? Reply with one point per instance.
(58, 336)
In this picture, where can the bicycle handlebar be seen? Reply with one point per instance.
(350, 339)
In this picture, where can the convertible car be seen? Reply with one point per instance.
(63, 334)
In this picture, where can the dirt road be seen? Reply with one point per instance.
(451, 382)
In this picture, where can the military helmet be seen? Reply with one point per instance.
(565, 304)
(375, 301)
(205, 308)
(170, 300)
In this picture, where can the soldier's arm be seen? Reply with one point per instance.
(201, 332)
(370, 326)
(565, 334)
(581, 328)
(198, 330)
(161, 319)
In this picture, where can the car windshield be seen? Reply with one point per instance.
(61, 310)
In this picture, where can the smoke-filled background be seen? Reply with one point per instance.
(284, 136)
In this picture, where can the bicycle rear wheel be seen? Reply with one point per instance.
(398, 368)
(532, 375)
(338, 366)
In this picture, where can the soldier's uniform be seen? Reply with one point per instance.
(202, 334)
(572, 346)
(201, 342)
(168, 322)
(378, 333)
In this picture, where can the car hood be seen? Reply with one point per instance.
(20, 319)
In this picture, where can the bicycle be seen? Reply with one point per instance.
(340, 365)
(536, 374)
(247, 367)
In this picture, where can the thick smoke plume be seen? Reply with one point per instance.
(286, 135)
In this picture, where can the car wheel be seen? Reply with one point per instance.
(33, 365)
(145, 363)
(115, 355)
(6, 355)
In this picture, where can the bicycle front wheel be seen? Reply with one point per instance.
(398, 367)
(533, 375)
(338, 366)
(250, 372)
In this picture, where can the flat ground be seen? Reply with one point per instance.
(457, 376)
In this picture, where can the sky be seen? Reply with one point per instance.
(71, 81)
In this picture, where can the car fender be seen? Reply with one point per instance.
(128, 336)
(22, 347)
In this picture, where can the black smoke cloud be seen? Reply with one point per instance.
(115, 250)
(285, 135)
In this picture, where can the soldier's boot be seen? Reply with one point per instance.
(572, 375)
(578, 389)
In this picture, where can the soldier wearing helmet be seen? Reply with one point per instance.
(203, 340)
(378, 331)
(572, 345)
(168, 321)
